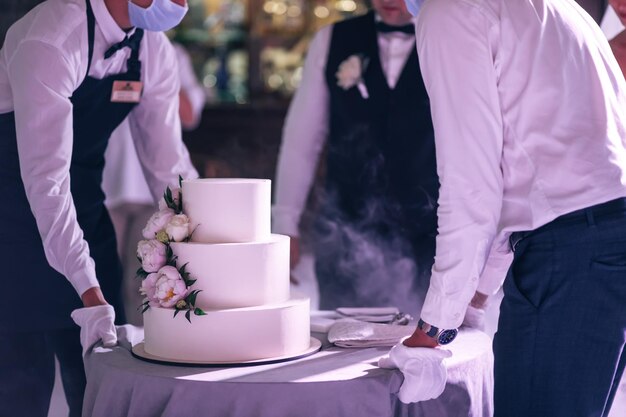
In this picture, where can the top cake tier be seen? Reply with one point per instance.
(225, 210)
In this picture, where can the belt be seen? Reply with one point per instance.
(612, 209)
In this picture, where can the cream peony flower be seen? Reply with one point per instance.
(350, 74)
(170, 287)
(153, 255)
(178, 228)
(157, 222)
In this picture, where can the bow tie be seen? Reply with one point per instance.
(132, 43)
(385, 28)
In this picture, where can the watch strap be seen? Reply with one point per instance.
(429, 329)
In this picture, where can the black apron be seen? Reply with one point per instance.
(38, 297)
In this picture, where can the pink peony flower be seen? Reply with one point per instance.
(148, 289)
(178, 228)
(153, 255)
(170, 287)
(157, 222)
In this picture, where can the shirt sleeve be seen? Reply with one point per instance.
(190, 85)
(156, 130)
(304, 135)
(453, 35)
(42, 80)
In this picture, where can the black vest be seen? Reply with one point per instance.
(381, 170)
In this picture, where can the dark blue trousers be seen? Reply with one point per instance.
(27, 371)
(559, 350)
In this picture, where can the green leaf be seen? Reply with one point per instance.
(180, 181)
(199, 312)
(191, 299)
(190, 282)
(141, 273)
(146, 307)
(188, 316)
(169, 253)
(176, 312)
(188, 238)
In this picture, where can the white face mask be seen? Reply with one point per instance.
(413, 6)
(160, 16)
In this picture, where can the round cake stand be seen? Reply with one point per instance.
(139, 352)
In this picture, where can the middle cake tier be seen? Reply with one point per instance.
(232, 275)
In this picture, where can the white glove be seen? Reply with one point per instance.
(474, 318)
(424, 372)
(96, 323)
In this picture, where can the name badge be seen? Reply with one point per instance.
(126, 91)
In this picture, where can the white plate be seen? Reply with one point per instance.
(139, 352)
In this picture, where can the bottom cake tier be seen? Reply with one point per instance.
(229, 335)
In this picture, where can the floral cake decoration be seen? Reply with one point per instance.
(164, 284)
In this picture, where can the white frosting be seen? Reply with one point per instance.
(228, 210)
(237, 274)
(243, 273)
(232, 335)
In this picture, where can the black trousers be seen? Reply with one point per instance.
(27, 371)
(559, 349)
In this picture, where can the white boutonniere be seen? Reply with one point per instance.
(350, 74)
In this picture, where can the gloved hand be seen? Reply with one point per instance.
(474, 318)
(424, 372)
(96, 323)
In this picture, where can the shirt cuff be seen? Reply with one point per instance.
(285, 221)
(83, 280)
(442, 312)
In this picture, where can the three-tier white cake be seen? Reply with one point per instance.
(242, 271)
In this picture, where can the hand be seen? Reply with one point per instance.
(420, 339)
(294, 256)
(96, 323)
(424, 373)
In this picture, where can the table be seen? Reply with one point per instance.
(334, 382)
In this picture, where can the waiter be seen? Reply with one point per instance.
(528, 103)
(70, 72)
(363, 98)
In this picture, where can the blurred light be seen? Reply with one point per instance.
(280, 8)
(345, 5)
(268, 7)
(296, 78)
(321, 12)
(294, 11)
(274, 81)
(209, 81)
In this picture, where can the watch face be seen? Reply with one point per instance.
(447, 336)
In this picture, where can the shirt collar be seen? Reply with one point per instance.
(105, 22)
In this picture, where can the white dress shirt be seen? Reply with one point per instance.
(43, 61)
(527, 103)
(123, 179)
(306, 127)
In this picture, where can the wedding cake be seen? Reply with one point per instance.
(228, 279)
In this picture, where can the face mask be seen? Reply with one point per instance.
(413, 6)
(160, 16)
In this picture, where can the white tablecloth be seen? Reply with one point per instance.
(333, 382)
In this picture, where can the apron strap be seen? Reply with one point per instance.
(91, 28)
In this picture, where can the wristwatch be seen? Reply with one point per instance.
(443, 336)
